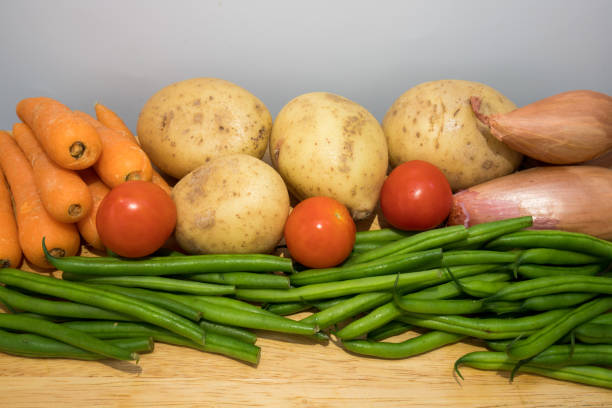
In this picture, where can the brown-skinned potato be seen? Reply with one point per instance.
(434, 121)
(233, 204)
(190, 122)
(323, 144)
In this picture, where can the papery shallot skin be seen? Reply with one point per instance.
(567, 128)
(570, 198)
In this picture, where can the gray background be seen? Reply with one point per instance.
(121, 52)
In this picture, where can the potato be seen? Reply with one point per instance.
(233, 204)
(434, 122)
(325, 144)
(188, 123)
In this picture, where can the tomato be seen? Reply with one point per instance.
(135, 218)
(416, 196)
(320, 232)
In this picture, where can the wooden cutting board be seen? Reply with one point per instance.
(293, 372)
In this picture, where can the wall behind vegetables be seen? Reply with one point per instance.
(120, 52)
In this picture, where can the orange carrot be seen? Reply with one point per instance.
(157, 178)
(87, 226)
(10, 251)
(63, 193)
(67, 139)
(111, 120)
(33, 221)
(121, 159)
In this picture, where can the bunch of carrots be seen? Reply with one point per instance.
(55, 169)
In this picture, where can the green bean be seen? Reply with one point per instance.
(421, 241)
(154, 298)
(171, 265)
(479, 234)
(575, 354)
(366, 246)
(594, 333)
(389, 311)
(503, 307)
(487, 328)
(554, 284)
(499, 345)
(54, 319)
(556, 301)
(548, 335)
(229, 331)
(478, 256)
(227, 346)
(559, 355)
(498, 361)
(413, 280)
(32, 345)
(81, 293)
(245, 318)
(249, 280)
(453, 288)
(237, 304)
(381, 235)
(164, 284)
(384, 266)
(550, 256)
(56, 308)
(447, 307)
(66, 335)
(214, 343)
(539, 271)
(407, 348)
(232, 306)
(442, 323)
(393, 328)
(327, 303)
(564, 240)
(481, 289)
(286, 309)
(604, 318)
(346, 309)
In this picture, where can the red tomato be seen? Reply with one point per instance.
(320, 232)
(416, 196)
(135, 219)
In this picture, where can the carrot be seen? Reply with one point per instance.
(87, 226)
(63, 193)
(161, 182)
(33, 221)
(67, 139)
(121, 159)
(111, 120)
(10, 251)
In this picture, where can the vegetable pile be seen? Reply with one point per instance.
(59, 165)
(514, 259)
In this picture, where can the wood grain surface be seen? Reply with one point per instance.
(293, 372)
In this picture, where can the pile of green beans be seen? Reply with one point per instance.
(131, 304)
(539, 299)
(548, 290)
